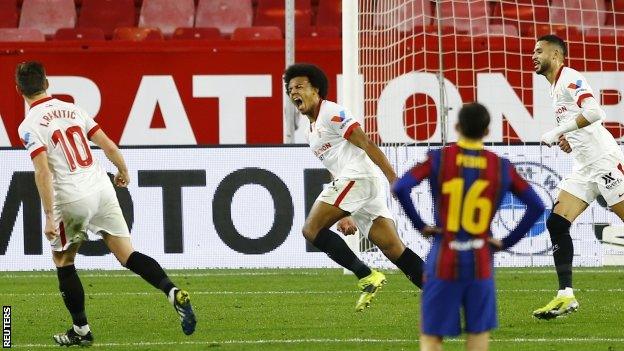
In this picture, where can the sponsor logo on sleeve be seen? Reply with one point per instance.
(342, 119)
(577, 87)
(339, 119)
(26, 140)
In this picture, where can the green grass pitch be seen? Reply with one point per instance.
(304, 310)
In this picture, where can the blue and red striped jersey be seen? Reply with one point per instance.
(467, 184)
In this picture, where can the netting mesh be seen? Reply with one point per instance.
(483, 49)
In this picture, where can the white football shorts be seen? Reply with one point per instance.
(99, 213)
(604, 177)
(364, 198)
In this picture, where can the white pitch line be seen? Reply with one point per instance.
(285, 292)
(320, 341)
(52, 274)
(292, 292)
(85, 274)
(552, 271)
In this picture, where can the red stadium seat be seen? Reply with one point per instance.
(107, 15)
(403, 15)
(137, 34)
(79, 34)
(317, 32)
(465, 15)
(329, 13)
(21, 34)
(197, 33)
(226, 15)
(167, 14)
(48, 15)
(257, 33)
(272, 13)
(582, 14)
(9, 14)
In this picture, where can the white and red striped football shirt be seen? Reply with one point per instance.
(63, 129)
(328, 140)
(592, 142)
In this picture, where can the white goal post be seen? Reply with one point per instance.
(350, 75)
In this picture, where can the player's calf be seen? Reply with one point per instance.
(412, 266)
(563, 250)
(338, 250)
(72, 293)
(153, 273)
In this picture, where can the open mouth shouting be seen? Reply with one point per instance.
(298, 101)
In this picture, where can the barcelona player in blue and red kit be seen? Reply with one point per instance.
(467, 184)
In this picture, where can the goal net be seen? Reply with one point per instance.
(483, 49)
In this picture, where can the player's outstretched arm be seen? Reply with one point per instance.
(112, 153)
(43, 180)
(361, 140)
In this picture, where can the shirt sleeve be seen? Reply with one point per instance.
(578, 88)
(32, 141)
(343, 123)
(91, 126)
(402, 188)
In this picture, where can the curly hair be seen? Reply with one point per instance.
(315, 75)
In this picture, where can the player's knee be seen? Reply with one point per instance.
(123, 254)
(122, 259)
(63, 261)
(309, 232)
(557, 225)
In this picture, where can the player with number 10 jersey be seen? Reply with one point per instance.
(77, 196)
(62, 130)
